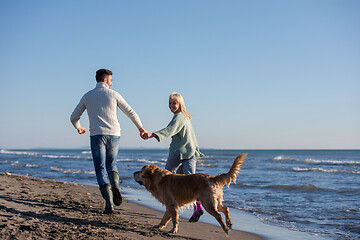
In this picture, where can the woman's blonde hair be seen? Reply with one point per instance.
(177, 97)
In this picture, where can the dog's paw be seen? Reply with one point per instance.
(229, 224)
(158, 226)
(173, 230)
(226, 230)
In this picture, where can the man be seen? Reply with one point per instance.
(101, 104)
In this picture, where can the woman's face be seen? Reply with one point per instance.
(174, 106)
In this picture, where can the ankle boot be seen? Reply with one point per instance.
(114, 181)
(198, 211)
(108, 196)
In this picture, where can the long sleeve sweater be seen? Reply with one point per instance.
(101, 104)
(183, 137)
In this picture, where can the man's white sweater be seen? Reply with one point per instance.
(101, 104)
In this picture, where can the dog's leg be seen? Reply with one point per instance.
(225, 210)
(166, 218)
(210, 208)
(175, 218)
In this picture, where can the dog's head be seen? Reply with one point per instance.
(149, 174)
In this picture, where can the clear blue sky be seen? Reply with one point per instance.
(254, 74)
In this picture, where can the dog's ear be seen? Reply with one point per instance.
(147, 171)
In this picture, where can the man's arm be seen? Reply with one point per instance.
(75, 117)
(130, 113)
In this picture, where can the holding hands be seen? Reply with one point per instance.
(149, 135)
(145, 134)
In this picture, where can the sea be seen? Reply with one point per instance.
(315, 192)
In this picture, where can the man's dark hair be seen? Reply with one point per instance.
(101, 74)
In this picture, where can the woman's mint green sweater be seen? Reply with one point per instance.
(183, 137)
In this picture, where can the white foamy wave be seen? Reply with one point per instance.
(61, 156)
(125, 159)
(77, 171)
(334, 162)
(150, 162)
(324, 170)
(18, 152)
(72, 171)
(282, 158)
(207, 165)
(31, 165)
(56, 169)
(6, 162)
(16, 164)
(86, 152)
(315, 170)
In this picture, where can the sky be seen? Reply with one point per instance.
(254, 74)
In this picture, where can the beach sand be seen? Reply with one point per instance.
(33, 208)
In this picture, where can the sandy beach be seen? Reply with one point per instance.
(33, 208)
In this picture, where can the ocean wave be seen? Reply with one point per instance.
(71, 171)
(52, 156)
(61, 156)
(6, 162)
(325, 170)
(307, 187)
(31, 165)
(316, 170)
(207, 165)
(147, 161)
(78, 171)
(125, 160)
(56, 169)
(16, 164)
(18, 152)
(331, 162)
(283, 158)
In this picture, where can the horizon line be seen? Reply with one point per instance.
(152, 148)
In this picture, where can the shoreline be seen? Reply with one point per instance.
(33, 208)
(242, 221)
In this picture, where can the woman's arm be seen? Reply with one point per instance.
(174, 127)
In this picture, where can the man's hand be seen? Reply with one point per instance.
(143, 133)
(148, 135)
(81, 130)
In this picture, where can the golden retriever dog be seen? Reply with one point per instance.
(177, 190)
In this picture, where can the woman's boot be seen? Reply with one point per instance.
(198, 211)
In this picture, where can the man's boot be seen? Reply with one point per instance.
(108, 196)
(114, 181)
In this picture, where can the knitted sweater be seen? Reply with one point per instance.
(183, 137)
(101, 104)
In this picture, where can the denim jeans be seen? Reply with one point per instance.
(104, 149)
(174, 161)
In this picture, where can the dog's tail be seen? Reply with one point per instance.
(226, 178)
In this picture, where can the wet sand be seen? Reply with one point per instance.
(33, 208)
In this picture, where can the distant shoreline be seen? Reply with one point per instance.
(204, 149)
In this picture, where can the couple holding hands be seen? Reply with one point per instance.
(101, 104)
